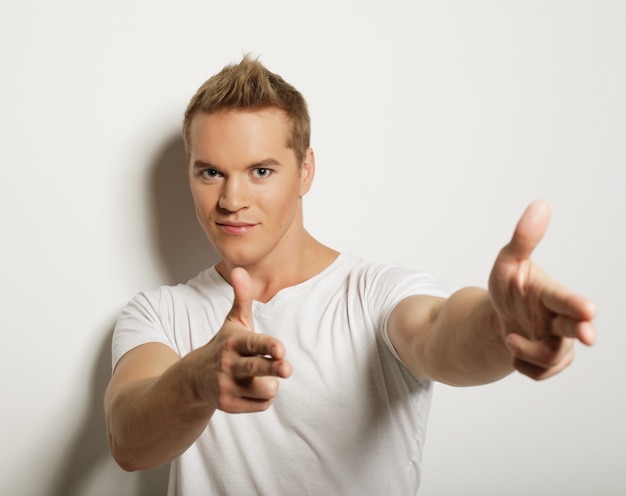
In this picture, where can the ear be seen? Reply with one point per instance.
(307, 172)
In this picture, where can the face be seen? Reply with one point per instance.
(247, 186)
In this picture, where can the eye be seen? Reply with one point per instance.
(262, 172)
(209, 173)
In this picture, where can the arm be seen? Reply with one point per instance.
(157, 404)
(152, 412)
(525, 321)
(452, 340)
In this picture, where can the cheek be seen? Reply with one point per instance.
(198, 209)
(280, 203)
(197, 204)
(203, 200)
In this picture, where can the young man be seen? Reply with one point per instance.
(353, 346)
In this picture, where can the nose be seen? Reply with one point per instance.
(235, 194)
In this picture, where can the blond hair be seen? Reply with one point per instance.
(248, 85)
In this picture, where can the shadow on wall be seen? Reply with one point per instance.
(183, 247)
(87, 467)
(89, 442)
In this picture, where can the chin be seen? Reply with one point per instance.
(232, 254)
(239, 259)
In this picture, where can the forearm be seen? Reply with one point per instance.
(152, 421)
(465, 345)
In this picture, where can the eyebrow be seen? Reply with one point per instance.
(200, 164)
(265, 163)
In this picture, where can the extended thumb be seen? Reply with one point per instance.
(529, 231)
(242, 303)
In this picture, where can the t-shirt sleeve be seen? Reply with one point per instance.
(140, 322)
(387, 285)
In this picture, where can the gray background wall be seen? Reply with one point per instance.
(435, 123)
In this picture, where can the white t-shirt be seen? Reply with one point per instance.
(351, 419)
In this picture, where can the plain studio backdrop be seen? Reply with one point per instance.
(434, 124)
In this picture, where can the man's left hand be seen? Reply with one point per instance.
(539, 318)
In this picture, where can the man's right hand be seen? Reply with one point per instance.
(240, 369)
(157, 404)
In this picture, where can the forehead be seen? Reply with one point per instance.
(259, 130)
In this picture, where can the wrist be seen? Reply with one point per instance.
(192, 390)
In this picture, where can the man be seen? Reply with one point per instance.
(353, 346)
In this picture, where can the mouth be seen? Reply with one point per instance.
(235, 227)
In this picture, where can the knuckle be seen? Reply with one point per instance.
(252, 343)
(223, 397)
(230, 342)
(224, 363)
(249, 367)
(550, 360)
(224, 386)
(560, 357)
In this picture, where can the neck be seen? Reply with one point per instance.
(282, 270)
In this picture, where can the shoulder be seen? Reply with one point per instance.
(206, 283)
(163, 307)
(378, 287)
(172, 315)
(393, 278)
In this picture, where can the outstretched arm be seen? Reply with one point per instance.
(525, 321)
(157, 404)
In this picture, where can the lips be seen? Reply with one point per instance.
(235, 228)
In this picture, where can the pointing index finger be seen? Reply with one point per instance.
(573, 315)
(562, 301)
(260, 345)
(566, 327)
